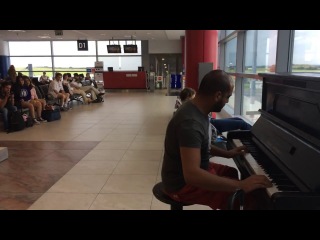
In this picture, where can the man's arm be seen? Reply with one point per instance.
(53, 87)
(75, 85)
(194, 175)
(8, 97)
(216, 151)
(3, 102)
(56, 87)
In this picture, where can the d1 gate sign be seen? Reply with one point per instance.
(82, 45)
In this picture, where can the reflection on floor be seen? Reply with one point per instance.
(99, 156)
(33, 167)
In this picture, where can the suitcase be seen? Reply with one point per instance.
(51, 115)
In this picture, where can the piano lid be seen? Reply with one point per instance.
(293, 98)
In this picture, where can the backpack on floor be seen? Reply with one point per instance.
(15, 121)
(28, 120)
(51, 115)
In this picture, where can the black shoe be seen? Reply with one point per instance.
(63, 109)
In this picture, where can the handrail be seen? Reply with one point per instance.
(246, 75)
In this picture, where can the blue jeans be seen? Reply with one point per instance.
(5, 112)
(229, 124)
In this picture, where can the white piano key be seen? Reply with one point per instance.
(256, 168)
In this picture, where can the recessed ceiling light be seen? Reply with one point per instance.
(102, 34)
(16, 30)
(44, 37)
(148, 33)
(130, 36)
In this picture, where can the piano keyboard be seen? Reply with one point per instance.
(260, 165)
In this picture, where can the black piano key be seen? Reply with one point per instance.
(274, 173)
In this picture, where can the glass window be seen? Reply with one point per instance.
(251, 98)
(230, 55)
(260, 51)
(102, 47)
(38, 48)
(110, 62)
(130, 63)
(36, 65)
(266, 50)
(121, 63)
(229, 32)
(231, 99)
(250, 52)
(71, 48)
(73, 64)
(306, 51)
(219, 56)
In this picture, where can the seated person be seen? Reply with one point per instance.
(223, 124)
(6, 102)
(38, 103)
(72, 90)
(44, 79)
(76, 84)
(228, 124)
(187, 174)
(88, 77)
(22, 96)
(56, 91)
(185, 95)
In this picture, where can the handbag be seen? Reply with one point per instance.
(49, 107)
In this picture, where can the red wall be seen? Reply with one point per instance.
(124, 80)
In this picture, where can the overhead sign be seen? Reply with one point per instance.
(114, 48)
(82, 45)
(58, 32)
(133, 48)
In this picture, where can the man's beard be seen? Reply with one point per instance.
(217, 107)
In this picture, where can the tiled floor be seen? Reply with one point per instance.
(99, 156)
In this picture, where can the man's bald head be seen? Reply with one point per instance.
(214, 81)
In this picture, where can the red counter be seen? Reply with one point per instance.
(124, 79)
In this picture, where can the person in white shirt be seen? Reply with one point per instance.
(76, 84)
(74, 90)
(44, 79)
(56, 91)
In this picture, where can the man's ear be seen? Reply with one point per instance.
(218, 96)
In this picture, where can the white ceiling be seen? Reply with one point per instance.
(36, 35)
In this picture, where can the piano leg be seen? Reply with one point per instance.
(262, 199)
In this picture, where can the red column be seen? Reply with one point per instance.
(200, 46)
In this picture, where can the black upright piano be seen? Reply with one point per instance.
(284, 143)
